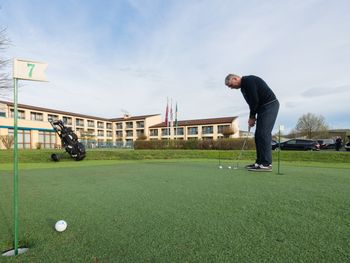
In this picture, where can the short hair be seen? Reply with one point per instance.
(229, 77)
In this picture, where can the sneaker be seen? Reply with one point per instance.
(261, 168)
(251, 166)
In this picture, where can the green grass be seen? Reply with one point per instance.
(178, 211)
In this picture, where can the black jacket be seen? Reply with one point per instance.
(256, 93)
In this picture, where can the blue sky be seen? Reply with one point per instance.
(108, 56)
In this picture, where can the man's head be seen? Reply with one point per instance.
(233, 81)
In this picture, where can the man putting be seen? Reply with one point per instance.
(263, 106)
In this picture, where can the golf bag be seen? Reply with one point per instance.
(69, 140)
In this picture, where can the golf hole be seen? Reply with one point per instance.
(11, 252)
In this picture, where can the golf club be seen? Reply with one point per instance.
(236, 164)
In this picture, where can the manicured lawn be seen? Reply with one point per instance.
(178, 211)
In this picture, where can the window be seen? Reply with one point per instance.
(91, 124)
(79, 122)
(179, 131)
(100, 125)
(109, 134)
(154, 132)
(119, 125)
(90, 132)
(21, 114)
(109, 126)
(140, 133)
(192, 130)
(51, 117)
(80, 131)
(47, 139)
(222, 127)
(3, 108)
(140, 124)
(165, 131)
(119, 134)
(36, 116)
(100, 133)
(129, 133)
(23, 136)
(207, 129)
(129, 125)
(67, 120)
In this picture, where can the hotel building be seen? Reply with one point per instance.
(34, 129)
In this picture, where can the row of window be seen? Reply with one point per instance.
(190, 130)
(47, 140)
(37, 116)
(130, 125)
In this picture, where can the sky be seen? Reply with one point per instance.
(110, 57)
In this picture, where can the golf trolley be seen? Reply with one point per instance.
(69, 141)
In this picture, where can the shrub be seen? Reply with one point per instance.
(221, 144)
(39, 145)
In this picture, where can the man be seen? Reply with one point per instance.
(338, 143)
(263, 106)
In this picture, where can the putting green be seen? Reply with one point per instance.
(178, 211)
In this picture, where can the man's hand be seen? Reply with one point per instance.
(251, 122)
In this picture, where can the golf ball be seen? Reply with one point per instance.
(220, 166)
(229, 167)
(61, 225)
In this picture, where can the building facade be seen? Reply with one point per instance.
(35, 131)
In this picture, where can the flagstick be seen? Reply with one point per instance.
(15, 168)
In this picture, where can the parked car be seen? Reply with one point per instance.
(347, 146)
(326, 143)
(300, 144)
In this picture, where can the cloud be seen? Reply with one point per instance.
(134, 54)
(326, 91)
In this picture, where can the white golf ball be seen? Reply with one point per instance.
(61, 225)
(229, 167)
(220, 166)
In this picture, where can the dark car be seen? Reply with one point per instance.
(300, 144)
(347, 146)
(326, 143)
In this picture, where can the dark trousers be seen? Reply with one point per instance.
(265, 121)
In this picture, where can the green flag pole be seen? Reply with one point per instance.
(15, 167)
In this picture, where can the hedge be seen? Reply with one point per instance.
(222, 144)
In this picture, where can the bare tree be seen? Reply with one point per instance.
(7, 141)
(5, 79)
(311, 125)
(227, 132)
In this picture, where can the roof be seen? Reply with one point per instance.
(196, 122)
(24, 106)
(141, 117)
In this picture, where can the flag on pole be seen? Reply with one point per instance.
(166, 113)
(176, 123)
(171, 113)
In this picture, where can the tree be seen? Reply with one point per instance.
(7, 141)
(311, 125)
(5, 80)
(227, 132)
